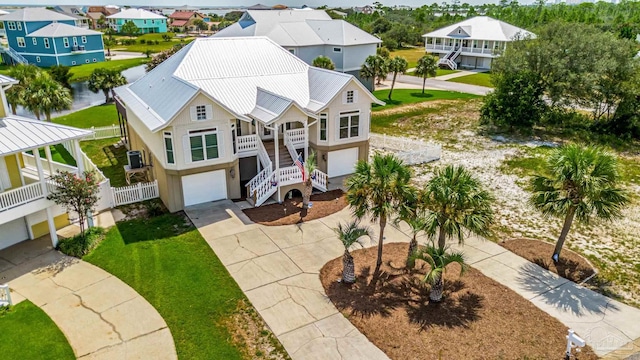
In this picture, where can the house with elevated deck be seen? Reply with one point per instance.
(219, 121)
(472, 43)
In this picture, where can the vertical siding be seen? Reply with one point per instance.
(354, 56)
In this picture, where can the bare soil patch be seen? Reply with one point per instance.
(571, 265)
(478, 319)
(291, 212)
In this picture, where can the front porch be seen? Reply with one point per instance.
(276, 148)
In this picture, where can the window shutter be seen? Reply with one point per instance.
(355, 96)
(209, 110)
(344, 97)
(193, 113)
(186, 147)
(221, 142)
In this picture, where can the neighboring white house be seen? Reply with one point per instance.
(25, 212)
(472, 43)
(226, 117)
(308, 34)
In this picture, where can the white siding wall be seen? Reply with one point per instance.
(354, 56)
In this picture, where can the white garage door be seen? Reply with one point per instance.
(342, 162)
(13, 232)
(204, 187)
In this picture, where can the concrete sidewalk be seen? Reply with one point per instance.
(458, 74)
(434, 83)
(101, 316)
(277, 267)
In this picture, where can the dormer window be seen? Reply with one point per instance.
(350, 97)
(459, 31)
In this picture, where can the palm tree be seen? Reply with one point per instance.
(456, 201)
(105, 80)
(397, 65)
(427, 66)
(309, 168)
(417, 225)
(379, 189)
(44, 95)
(374, 67)
(582, 183)
(350, 234)
(324, 62)
(438, 259)
(108, 44)
(24, 74)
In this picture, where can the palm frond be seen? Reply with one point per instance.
(352, 233)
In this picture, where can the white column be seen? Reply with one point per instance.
(79, 158)
(18, 156)
(277, 156)
(47, 152)
(43, 183)
(306, 140)
(52, 228)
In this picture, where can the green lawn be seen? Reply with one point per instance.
(96, 116)
(82, 72)
(141, 48)
(412, 96)
(412, 55)
(109, 159)
(58, 154)
(168, 262)
(481, 79)
(26, 332)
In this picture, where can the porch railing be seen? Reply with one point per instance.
(263, 155)
(20, 196)
(264, 190)
(289, 175)
(5, 295)
(246, 145)
(319, 180)
(295, 136)
(30, 161)
(258, 179)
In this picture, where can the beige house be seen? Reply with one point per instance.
(226, 118)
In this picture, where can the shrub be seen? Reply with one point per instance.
(143, 41)
(79, 245)
(155, 208)
(156, 42)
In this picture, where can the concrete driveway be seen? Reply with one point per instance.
(101, 316)
(277, 267)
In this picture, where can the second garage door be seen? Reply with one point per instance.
(204, 187)
(341, 162)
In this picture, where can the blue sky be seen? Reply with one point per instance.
(212, 3)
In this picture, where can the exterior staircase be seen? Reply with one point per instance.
(449, 60)
(15, 56)
(284, 157)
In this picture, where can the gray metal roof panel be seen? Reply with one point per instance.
(18, 134)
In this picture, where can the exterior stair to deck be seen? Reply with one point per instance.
(284, 157)
(449, 60)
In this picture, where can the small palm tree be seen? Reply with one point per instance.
(397, 65)
(456, 201)
(309, 168)
(427, 67)
(16, 95)
(417, 225)
(379, 189)
(324, 62)
(44, 95)
(374, 67)
(438, 259)
(582, 183)
(106, 80)
(350, 234)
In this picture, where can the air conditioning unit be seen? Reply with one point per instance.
(135, 159)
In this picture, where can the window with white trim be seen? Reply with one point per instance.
(201, 112)
(86, 61)
(84, 39)
(65, 41)
(337, 50)
(349, 125)
(11, 25)
(46, 43)
(19, 26)
(21, 42)
(37, 58)
(168, 148)
(95, 60)
(75, 41)
(73, 62)
(35, 41)
(293, 51)
(323, 126)
(350, 97)
(203, 144)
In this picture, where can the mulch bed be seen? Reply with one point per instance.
(290, 211)
(571, 265)
(478, 318)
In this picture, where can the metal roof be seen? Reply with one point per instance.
(481, 28)
(234, 73)
(295, 27)
(35, 14)
(135, 14)
(5, 80)
(20, 134)
(60, 29)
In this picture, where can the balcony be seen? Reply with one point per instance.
(465, 50)
(78, 49)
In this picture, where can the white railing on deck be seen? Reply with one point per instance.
(30, 161)
(5, 295)
(135, 193)
(264, 190)
(319, 180)
(22, 195)
(295, 136)
(289, 175)
(263, 155)
(258, 179)
(291, 150)
(90, 166)
(246, 145)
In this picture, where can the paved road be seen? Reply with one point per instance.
(101, 316)
(443, 85)
(277, 267)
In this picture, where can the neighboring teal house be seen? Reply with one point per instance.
(146, 21)
(45, 38)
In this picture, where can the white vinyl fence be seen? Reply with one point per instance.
(135, 193)
(104, 132)
(411, 151)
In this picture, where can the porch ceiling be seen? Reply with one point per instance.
(19, 134)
